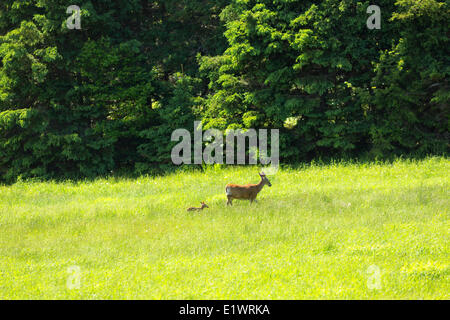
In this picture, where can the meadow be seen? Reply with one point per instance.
(337, 231)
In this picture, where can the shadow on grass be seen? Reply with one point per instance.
(164, 170)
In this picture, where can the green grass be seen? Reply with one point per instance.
(313, 235)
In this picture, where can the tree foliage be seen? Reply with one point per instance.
(83, 103)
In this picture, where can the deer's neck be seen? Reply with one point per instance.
(260, 185)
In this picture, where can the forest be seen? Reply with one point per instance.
(104, 98)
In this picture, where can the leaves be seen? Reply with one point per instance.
(108, 96)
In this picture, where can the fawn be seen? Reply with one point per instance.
(247, 191)
(204, 205)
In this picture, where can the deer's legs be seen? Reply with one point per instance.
(230, 201)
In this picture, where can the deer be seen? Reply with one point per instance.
(247, 191)
(204, 205)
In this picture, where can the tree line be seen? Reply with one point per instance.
(106, 98)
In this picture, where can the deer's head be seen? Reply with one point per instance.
(204, 205)
(264, 179)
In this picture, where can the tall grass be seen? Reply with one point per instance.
(313, 235)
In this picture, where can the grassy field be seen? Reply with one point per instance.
(344, 231)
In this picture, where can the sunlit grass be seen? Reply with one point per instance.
(313, 235)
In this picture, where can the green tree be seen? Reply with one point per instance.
(410, 102)
(297, 66)
(80, 103)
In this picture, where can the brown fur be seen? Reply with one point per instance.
(246, 191)
(198, 208)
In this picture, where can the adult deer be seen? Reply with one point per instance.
(246, 191)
